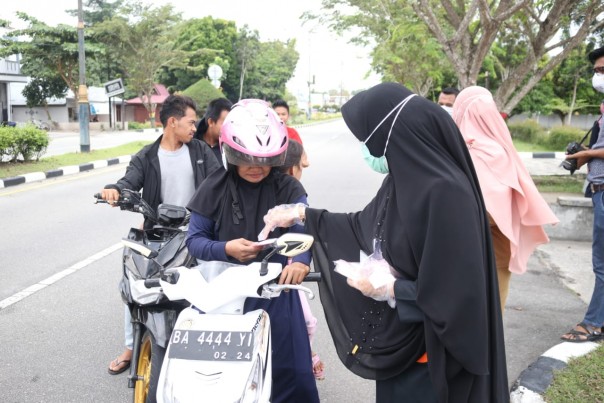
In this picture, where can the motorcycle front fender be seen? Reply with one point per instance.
(160, 323)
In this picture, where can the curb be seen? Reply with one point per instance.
(61, 171)
(536, 378)
(542, 154)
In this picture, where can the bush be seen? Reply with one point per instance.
(26, 142)
(202, 92)
(138, 125)
(528, 131)
(560, 136)
(7, 141)
(29, 142)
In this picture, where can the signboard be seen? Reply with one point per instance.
(114, 87)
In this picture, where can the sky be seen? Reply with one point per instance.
(329, 58)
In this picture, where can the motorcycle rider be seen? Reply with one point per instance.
(226, 217)
(168, 171)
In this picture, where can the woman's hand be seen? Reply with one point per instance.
(294, 273)
(283, 215)
(242, 249)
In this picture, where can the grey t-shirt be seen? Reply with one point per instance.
(177, 179)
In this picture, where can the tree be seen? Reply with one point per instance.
(39, 90)
(212, 40)
(141, 36)
(272, 67)
(48, 52)
(97, 11)
(106, 66)
(467, 30)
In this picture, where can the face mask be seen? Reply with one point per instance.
(379, 164)
(598, 82)
(449, 109)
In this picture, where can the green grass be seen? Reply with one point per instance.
(10, 169)
(581, 381)
(523, 146)
(560, 183)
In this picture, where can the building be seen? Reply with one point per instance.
(136, 111)
(10, 75)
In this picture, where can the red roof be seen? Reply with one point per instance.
(158, 97)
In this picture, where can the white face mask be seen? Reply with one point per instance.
(598, 82)
(449, 109)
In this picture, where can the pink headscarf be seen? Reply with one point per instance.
(509, 193)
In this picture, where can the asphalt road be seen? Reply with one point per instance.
(56, 343)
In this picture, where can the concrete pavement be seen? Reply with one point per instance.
(537, 302)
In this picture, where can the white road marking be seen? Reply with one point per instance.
(58, 276)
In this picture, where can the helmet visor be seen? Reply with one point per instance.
(238, 158)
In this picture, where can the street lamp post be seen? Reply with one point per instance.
(83, 90)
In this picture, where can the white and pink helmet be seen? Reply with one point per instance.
(253, 134)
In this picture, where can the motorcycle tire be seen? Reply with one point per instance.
(150, 361)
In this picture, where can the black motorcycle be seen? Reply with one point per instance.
(153, 315)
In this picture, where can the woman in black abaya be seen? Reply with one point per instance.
(430, 222)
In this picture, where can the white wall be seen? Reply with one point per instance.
(58, 113)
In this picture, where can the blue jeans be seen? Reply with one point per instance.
(128, 329)
(595, 311)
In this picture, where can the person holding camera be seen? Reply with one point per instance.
(591, 327)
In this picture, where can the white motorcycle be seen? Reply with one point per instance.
(218, 353)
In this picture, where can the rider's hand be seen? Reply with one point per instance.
(382, 293)
(294, 273)
(111, 195)
(242, 249)
(283, 215)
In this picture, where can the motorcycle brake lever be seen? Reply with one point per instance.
(275, 289)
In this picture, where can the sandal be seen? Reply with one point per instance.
(318, 368)
(582, 333)
(120, 366)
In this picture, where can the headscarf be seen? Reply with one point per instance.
(510, 195)
(254, 200)
(435, 233)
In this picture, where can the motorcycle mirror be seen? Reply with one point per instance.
(292, 244)
(140, 248)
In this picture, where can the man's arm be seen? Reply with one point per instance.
(585, 156)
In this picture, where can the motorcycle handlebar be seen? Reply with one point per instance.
(313, 277)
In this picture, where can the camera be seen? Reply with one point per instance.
(572, 148)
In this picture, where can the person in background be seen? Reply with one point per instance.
(226, 217)
(446, 98)
(168, 171)
(428, 327)
(591, 328)
(282, 109)
(208, 128)
(517, 212)
(293, 166)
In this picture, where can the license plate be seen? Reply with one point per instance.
(211, 345)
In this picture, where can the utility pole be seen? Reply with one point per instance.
(83, 90)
